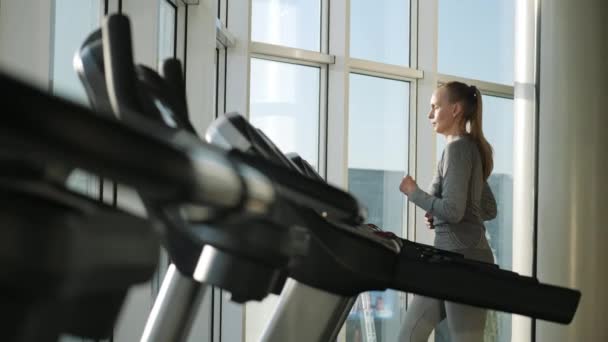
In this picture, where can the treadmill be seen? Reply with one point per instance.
(229, 188)
(320, 282)
(245, 255)
(61, 253)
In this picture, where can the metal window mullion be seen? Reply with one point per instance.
(371, 68)
(412, 148)
(413, 34)
(323, 92)
(296, 55)
(323, 134)
(324, 26)
(486, 88)
(221, 81)
(285, 60)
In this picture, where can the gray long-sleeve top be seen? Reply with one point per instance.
(460, 199)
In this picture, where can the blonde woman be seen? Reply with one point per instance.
(458, 203)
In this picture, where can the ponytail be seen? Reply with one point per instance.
(470, 97)
(476, 126)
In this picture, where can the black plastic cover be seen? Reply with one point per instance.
(61, 254)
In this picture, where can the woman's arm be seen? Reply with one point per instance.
(435, 187)
(452, 204)
(488, 203)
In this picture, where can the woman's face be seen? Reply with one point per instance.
(443, 114)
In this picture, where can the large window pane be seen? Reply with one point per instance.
(498, 123)
(380, 31)
(292, 23)
(476, 39)
(74, 20)
(377, 161)
(285, 106)
(498, 127)
(166, 32)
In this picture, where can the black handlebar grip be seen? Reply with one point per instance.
(119, 65)
(173, 75)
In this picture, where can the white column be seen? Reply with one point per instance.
(237, 99)
(524, 151)
(425, 137)
(572, 207)
(200, 84)
(337, 100)
(25, 40)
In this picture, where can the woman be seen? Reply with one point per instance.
(458, 203)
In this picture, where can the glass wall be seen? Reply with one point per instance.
(73, 21)
(291, 23)
(476, 39)
(380, 31)
(285, 106)
(378, 143)
(285, 94)
(498, 127)
(166, 31)
(379, 79)
(476, 43)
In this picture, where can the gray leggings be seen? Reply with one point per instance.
(465, 323)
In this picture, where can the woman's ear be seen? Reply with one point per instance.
(456, 109)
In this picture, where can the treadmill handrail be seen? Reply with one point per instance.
(187, 169)
(329, 201)
(120, 75)
(319, 195)
(113, 149)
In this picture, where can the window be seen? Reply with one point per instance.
(377, 161)
(166, 31)
(476, 45)
(291, 23)
(73, 21)
(287, 91)
(285, 106)
(380, 31)
(476, 39)
(498, 128)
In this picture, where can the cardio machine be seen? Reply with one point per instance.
(61, 253)
(248, 254)
(414, 267)
(191, 174)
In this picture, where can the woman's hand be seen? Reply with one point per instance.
(408, 185)
(428, 220)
